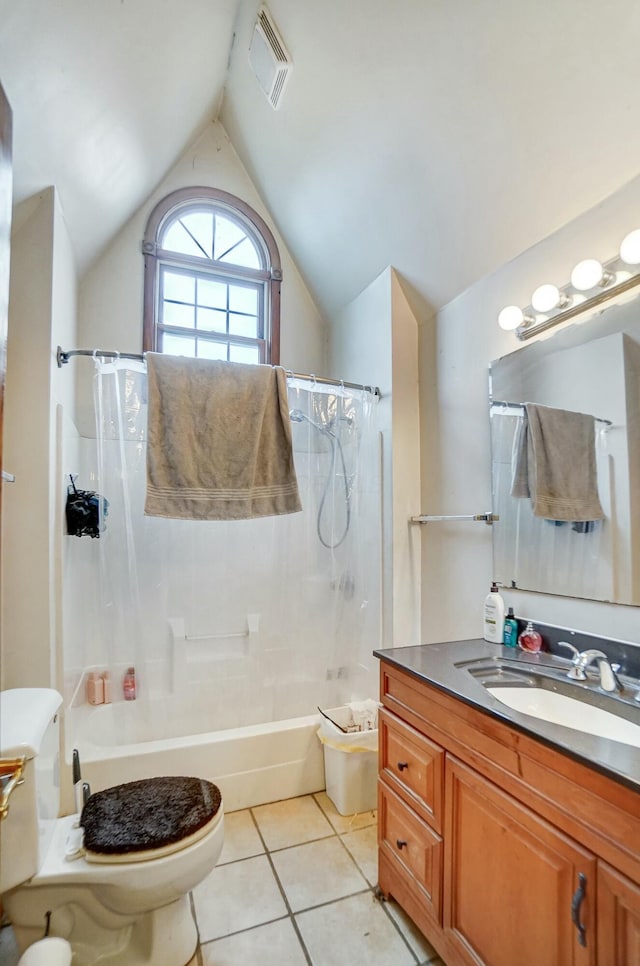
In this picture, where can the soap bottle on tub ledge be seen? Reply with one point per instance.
(493, 616)
(530, 639)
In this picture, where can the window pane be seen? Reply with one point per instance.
(243, 325)
(199, 224)
(244, 353)
(212, 350)
(213, 294)
(212, 320)
(243, 299)
(175, 313)
(177, 239)
(228, 234)
(244, 254)
(175, 345)
(178, 288)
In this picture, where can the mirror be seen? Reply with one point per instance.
(589, 367)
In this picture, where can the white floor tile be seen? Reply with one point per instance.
(317, 872)
(363, 845)
(291, 822)
(275, 944)
(344, 823)
(237, 896)
(353, 932)
(419, 943)
(241, 839)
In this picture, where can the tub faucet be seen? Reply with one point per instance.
(582, 659)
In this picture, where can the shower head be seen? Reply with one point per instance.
(297, 416)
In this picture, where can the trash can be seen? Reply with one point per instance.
(350, 762)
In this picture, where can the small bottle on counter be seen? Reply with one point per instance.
(129, 685)
(530, 639)
(510, 638)
(493, 616)
(95, 689)
(106, 684)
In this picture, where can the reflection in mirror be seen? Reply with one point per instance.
(592, 368)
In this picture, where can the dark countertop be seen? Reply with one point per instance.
(439, 666)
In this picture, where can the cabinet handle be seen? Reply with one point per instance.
(402, 765)
(576, 903)
(400, 843)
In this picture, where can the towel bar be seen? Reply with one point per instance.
(488, 518)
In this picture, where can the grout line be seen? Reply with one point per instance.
(330, 902)
(192, 904)
(282, 892)
(385, 904)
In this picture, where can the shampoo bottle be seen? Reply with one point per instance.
(95, 689)
(510, 630)
(129, 685)
(493, 616)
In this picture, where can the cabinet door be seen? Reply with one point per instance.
(512, 881)
(618, 919)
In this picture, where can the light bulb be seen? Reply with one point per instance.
(630, 248)
(546, 297)
(587, 274)
(510, 318)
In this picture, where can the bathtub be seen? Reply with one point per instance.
(251, 765)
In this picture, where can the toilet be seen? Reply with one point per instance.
(115, 902)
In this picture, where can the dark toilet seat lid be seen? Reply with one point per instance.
(148, 818)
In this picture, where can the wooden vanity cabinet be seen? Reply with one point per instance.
(502, 850)
(618, 918)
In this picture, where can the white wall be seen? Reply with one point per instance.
(374, 341)
(41, 313)
(456, 557)
(110, 299)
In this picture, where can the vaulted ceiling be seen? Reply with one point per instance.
(442, 138)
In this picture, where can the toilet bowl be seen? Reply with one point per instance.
(128, 908)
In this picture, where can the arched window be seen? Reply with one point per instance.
(212, 279)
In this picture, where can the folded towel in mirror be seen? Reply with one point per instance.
(554, 463)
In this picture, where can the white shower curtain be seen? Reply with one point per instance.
(258, 620)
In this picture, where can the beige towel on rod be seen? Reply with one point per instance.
(218, 440)
(554, 462)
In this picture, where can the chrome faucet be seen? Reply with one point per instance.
(582, 659)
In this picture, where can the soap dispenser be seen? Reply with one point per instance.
(493, 616)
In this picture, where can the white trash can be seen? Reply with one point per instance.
(350, 763)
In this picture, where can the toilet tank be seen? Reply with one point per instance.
(29, 726)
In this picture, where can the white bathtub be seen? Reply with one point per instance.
(251, 765)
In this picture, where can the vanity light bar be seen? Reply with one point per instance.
(591, 284)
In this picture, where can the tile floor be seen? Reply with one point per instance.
(295, 886)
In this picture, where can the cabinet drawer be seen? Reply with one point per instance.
(413, 766)
(413, 850)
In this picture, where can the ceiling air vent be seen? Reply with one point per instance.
(269, 58)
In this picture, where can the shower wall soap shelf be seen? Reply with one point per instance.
(488, 518)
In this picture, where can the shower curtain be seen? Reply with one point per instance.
(254, 620)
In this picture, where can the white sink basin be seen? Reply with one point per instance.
(569, 712)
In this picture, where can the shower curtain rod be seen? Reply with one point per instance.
(521, 405)
(64, 355)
